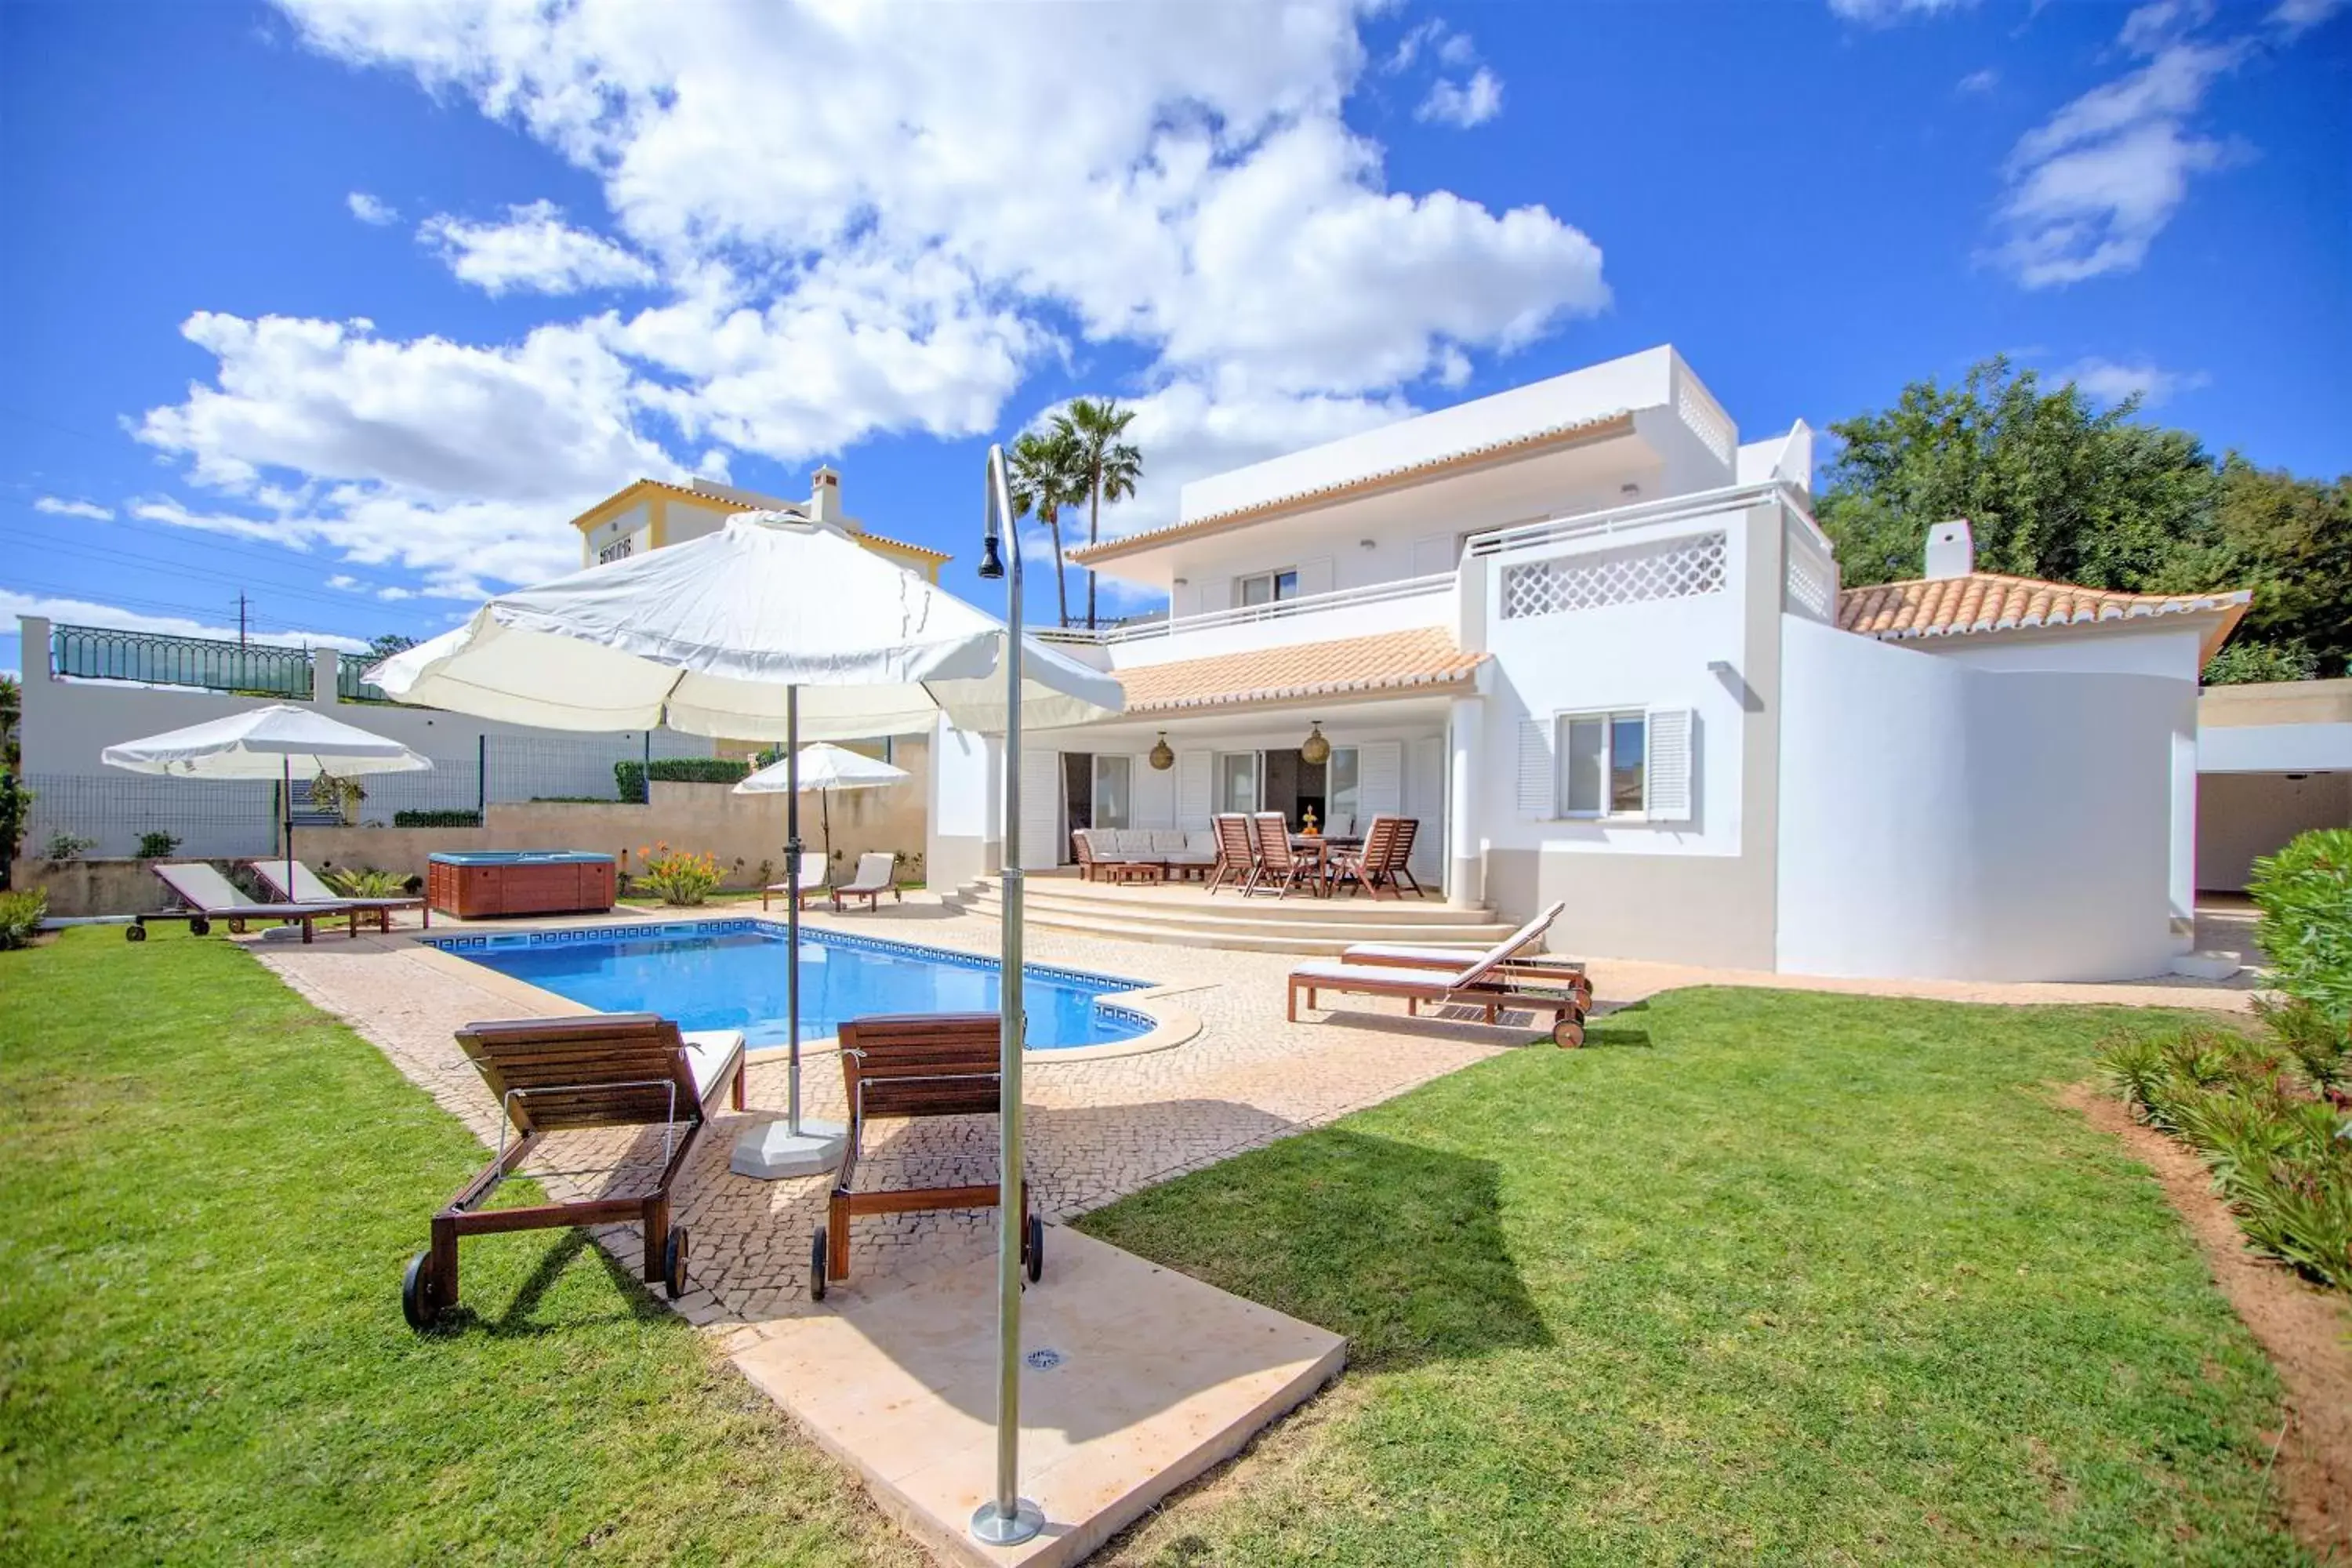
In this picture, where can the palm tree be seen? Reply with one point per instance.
(1105, 466)
(1042, 483)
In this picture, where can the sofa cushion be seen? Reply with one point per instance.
(1203, 842)
(1167, 841)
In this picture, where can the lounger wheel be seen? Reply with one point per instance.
(134, 933)
(674, 1262)
(1567, 1034)
(199, 926)
(1032, 1248)
(816, 1264)
(420, 1294)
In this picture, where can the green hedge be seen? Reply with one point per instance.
(2305, 893)
(632, 777)
(436, 819)
(20, 917)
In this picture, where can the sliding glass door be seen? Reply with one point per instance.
(1240, 777)
(1114, 800)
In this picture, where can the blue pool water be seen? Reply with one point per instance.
(729, 975)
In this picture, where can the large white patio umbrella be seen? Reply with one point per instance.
(824, 767)
(273, 743)
(775, 628)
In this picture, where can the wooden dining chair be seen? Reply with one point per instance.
(1236, 854)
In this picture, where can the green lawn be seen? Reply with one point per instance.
(1758, 1277)
(210, 1190)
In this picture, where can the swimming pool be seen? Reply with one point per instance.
(729, 975)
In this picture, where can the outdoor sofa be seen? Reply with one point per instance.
(1101, 851)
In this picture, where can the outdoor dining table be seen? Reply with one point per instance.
(1318, 848)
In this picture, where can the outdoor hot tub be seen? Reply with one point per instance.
(474, 883)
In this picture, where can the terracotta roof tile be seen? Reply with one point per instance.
(1391, 661)
(1210, 522)
(1988, 601)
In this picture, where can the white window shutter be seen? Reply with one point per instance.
(1155, 794)
(1042, 848)
(1193, 774)
(1379, 779)
(1539, 789)
(1670, 764)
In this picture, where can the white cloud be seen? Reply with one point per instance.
(2090, 187)
(534, 249)
(370, 210)
(900, 251)
(1883, 13)
(83, 612)
(1979, 81)
(2111, 380)
(1466, 104)
(57, 507)
(2295, 17)
(345, 582)
(394, 596)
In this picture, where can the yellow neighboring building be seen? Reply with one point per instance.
(651, 513)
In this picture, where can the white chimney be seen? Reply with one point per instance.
(825, 496)
(1951, 550)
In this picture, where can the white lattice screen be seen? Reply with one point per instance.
(1811, 584)
(1671, 569)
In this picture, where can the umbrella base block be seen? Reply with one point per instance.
(774, 1153)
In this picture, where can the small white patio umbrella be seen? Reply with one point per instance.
(825, 767)
(273, 743)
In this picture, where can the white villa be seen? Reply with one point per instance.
(1597, 645)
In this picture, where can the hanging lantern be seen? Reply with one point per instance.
(1163, 759)
(1315, 750)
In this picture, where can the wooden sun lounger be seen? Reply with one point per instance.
(561, 1075)
(812, 880)
(1490, 981)
(309, 888)
(1445, 955)
(207, 896)
(878, 873)
(914, 1065)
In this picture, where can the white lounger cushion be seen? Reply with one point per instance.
(874, 872)
(202, 886)
(1336, 973)
(812, 873)
(710, 1055)
(1391, 951)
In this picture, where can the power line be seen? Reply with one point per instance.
(265, 624)
(103, 556)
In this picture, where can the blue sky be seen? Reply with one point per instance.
(350, 307)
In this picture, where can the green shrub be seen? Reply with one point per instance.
(632, 776)
(2242, 662)
(2305, 893)
(15, 805)
(156, 846)
(366, 882)
(436, 819)
(20, 916)
(66, 846)
(678, 875)
(2321, 1045)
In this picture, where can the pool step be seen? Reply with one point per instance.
(1300, 924)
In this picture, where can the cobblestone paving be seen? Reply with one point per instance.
(1097, 1129)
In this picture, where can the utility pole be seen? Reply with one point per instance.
(240, 618)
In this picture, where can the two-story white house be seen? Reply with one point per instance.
(1597, 646)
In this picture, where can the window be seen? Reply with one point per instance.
(1604, 764)
(1237, 781)
(1113, 800)
(616, 550)
(1266, 587)
(1340, 791)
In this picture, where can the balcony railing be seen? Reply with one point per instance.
(1246, 615)
(103, 653)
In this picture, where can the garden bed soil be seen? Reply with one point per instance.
(2305, 1330)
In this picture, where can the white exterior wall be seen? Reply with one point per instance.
(2161, 649)
(965, 838)
(628, 524)
(2242, 816)
(1653, 654)
(1941, 819)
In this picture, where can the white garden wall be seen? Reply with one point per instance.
(1940, 819)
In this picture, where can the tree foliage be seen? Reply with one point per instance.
(1043, 481)
(1105, 465)
(2055, 488)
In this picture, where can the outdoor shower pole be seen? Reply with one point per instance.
(1006, 1520)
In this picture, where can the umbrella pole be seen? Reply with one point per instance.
(793, 908)
(1007, 1518)
(287, 802)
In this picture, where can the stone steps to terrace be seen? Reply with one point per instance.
(1183, 914)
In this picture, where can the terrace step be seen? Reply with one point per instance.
(1300, 924)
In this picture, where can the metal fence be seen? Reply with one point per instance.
(217, 819)
(102, 653)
